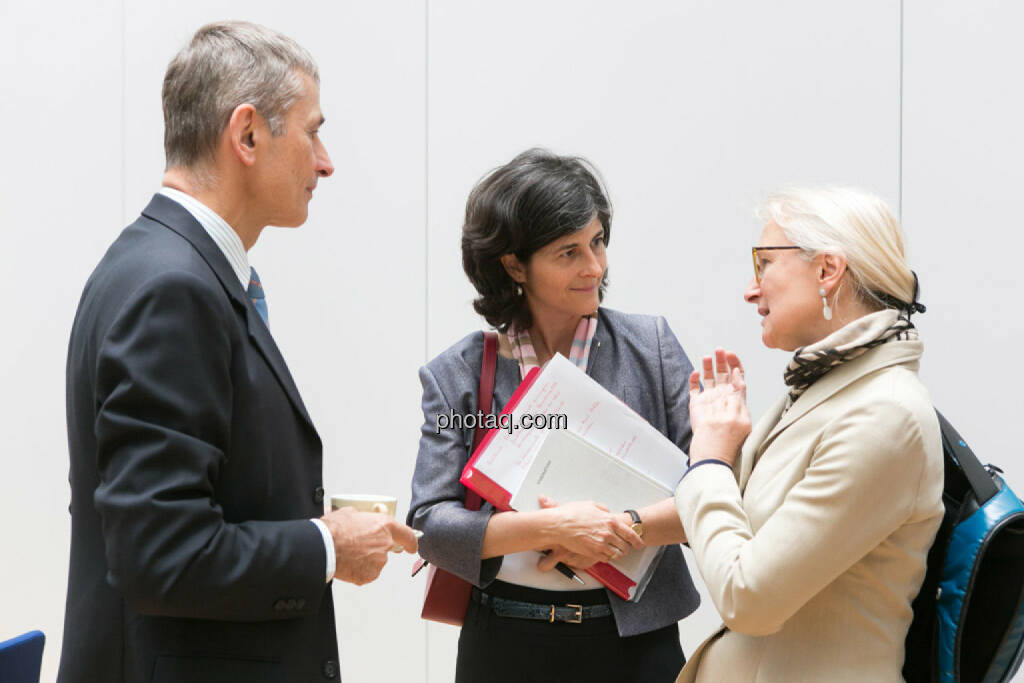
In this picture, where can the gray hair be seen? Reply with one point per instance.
(856, 224)
(227, 64)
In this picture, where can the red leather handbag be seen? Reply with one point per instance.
(447, 596)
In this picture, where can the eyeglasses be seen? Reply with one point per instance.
(757, 259)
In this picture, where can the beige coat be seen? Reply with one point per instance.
(814, 549)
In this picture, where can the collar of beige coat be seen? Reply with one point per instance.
(774, 422)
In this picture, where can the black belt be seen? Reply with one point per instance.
(570, 614)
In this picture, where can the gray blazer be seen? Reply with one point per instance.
(638, 359)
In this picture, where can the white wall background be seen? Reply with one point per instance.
(692, 110)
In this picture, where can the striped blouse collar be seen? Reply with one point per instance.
(579, 353)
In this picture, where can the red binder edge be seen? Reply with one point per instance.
(612, 578)
(486, 488)
(474, 479)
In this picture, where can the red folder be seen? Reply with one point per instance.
(492, 492)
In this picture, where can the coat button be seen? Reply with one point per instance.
(330, 669)
(318, 495)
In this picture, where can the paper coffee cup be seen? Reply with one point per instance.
(365, 503)
(385, 505)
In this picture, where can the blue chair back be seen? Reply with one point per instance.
(22, 657)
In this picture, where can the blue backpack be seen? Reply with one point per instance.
(969, 616)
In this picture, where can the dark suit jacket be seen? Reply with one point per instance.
(194, 472)
(635, 357)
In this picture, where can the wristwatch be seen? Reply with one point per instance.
(638, 525)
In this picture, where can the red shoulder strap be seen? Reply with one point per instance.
(484, 399)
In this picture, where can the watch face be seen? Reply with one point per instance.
(638, 529)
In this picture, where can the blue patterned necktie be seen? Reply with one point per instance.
(259, 299)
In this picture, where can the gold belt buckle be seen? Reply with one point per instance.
(579, 614)
(576, 619)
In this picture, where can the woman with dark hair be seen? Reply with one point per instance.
(534, 247)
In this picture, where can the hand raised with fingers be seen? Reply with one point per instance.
(718, 413)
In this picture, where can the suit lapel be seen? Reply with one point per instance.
(756, 441)
(175, 217)
(260, 335)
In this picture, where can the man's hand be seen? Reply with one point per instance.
(362, 541)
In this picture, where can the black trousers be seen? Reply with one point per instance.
(495, 649)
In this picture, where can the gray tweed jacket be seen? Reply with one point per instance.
(637, 358)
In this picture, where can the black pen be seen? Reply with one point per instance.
(565, 570)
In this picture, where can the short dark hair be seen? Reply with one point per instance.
(518, 208)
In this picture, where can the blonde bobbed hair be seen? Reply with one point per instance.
(855, 224)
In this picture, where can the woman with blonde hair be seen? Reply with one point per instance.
(812, 530)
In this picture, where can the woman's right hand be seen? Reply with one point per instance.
(588, 529)
(718, 412)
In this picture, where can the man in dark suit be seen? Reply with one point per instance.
(200, 549)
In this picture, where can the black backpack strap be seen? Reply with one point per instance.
(977, 476)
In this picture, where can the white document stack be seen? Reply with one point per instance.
(609, 454)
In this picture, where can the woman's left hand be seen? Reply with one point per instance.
(718, 415)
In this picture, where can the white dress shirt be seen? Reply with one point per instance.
(230, 244)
